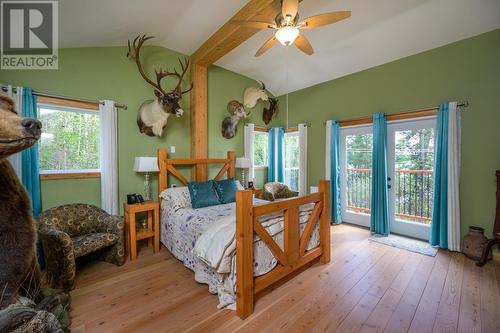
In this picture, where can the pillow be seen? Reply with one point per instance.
(226, 190)
(176, 198)
(239, 186)
(203, 194)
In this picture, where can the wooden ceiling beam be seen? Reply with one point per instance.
(229, 36)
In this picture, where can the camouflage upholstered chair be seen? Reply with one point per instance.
(275, 191)
(76, 230)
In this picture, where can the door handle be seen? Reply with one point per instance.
(389, 187)
(388, 179)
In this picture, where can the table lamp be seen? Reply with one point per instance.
(146, 165)
(243, 163)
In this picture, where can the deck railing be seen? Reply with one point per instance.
(413, 193)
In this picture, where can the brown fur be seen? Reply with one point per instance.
(19, 271)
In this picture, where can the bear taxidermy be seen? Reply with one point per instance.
(19, 271)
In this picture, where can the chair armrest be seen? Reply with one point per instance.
(56, 238)
(114, 224)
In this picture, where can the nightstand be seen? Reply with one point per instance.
(258, 192)
(133, 234)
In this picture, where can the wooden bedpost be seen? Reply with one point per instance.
(324, 188)
(162, 166)
(232, 159)
(244, 253)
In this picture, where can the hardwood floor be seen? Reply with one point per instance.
(367, 287)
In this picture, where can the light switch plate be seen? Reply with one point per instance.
(172, 149)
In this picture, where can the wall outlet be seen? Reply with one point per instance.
(172, 149)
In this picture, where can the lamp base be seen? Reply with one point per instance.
(147, 187)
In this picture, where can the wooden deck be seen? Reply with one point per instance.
(367, 287)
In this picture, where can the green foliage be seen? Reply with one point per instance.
(260, 149)
(359, 151)
(292, 161)
(70, 140)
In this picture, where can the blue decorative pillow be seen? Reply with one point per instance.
(226, 190)
(203, 194)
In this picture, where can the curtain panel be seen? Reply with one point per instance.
(445, 226)
(333, 143)
(379, 217)
(109, 157)
(249, 149)
(276, 155)
(302, 159)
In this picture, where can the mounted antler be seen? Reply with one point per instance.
(153, 115)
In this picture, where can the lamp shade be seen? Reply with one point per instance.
(243, 163)
(146, 164)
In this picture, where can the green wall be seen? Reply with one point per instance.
(106, 73)
(465, 70)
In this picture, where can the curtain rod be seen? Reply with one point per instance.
(37, 93)
(286, 128)
(463, 104)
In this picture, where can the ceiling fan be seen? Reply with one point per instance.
(288, 26)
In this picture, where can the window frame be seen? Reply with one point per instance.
(79, 106)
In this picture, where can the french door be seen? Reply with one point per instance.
(410, 157)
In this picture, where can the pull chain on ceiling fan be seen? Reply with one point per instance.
(288, 26)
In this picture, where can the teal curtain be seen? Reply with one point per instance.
(276, 155)
(335, 172)
(379, 218)
(30, 174)
(439, 225)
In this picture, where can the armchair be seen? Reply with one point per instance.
(72, 231)
(275, 191)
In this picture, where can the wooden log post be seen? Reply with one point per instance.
(162, 167)
(324, 230)
(244, 253)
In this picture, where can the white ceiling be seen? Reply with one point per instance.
(378, 32)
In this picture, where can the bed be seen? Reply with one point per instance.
(240, 249)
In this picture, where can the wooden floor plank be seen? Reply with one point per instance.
(449, 305)
(425, 316)
(367, 287)
(470, 303)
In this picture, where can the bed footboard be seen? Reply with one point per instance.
(293, 256)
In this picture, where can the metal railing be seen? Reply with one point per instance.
(413, 193)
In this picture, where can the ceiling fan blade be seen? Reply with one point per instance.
(266, 46)
(324, 19)
(289, 8)
(303, 44)
(253, 24)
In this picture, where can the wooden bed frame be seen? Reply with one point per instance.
(292, 258)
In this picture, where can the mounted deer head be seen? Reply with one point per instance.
(253, 94)
(268, 114)
(152, 115)
(230, 124)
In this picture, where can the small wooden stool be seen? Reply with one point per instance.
(134, 234)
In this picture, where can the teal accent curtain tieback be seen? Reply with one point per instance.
(336, 213)
(379, 218)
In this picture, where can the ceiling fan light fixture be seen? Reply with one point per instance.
(287, 35)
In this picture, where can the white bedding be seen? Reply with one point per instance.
(211, 231)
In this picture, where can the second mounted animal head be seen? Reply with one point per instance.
(16, 133)
(253, 94)
(153, 114)
(230, 123)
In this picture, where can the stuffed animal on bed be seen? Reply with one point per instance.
(19, 271)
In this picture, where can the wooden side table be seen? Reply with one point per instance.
(133, 234)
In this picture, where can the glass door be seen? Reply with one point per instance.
(355, 174)
(410, 155)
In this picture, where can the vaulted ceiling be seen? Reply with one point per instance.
(378, 32)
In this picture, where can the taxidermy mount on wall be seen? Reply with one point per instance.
(269, 113)
(153, 114)
(253, 94)
(230, 123)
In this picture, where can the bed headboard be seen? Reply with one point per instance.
(168, 165)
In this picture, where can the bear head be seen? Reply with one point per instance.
(16, 133)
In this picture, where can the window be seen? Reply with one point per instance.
(292, 160)
(260, 149)
(70, 140)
